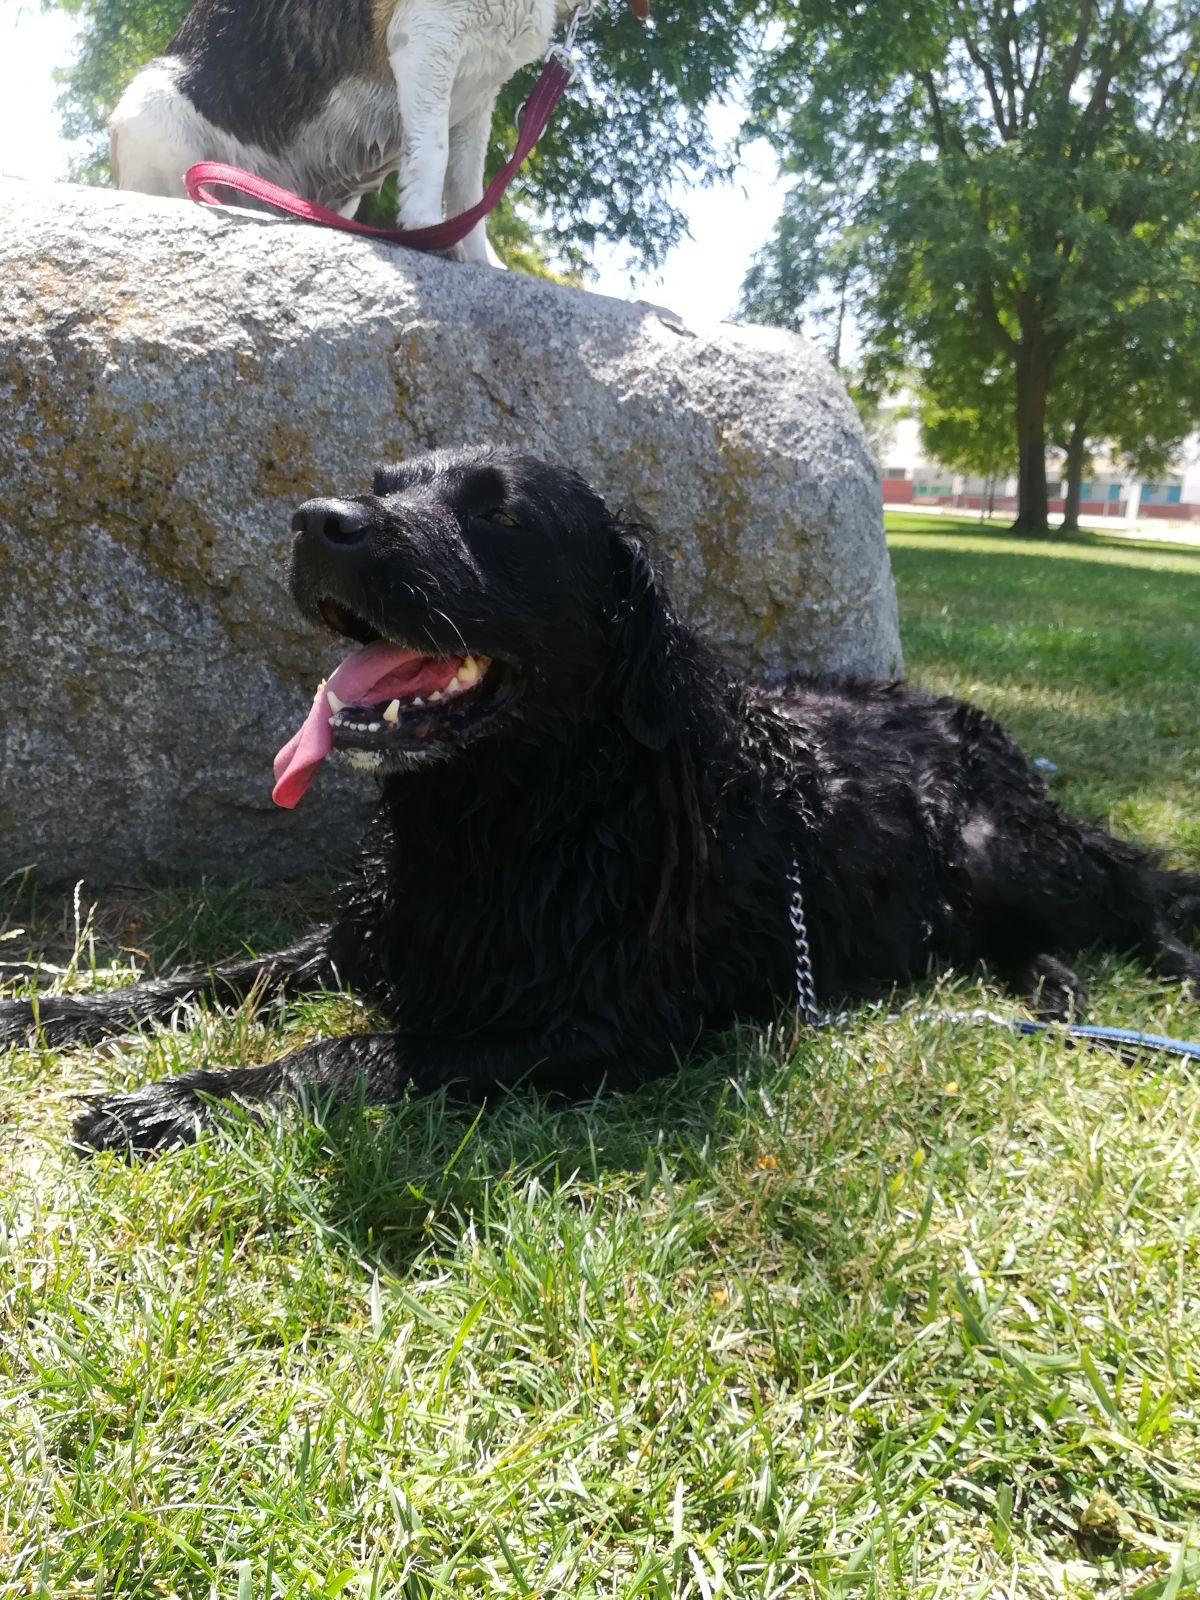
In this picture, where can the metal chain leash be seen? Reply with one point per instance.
(806, 994)
(806, 998)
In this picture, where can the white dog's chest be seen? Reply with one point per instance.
(361, 128)
(509, 35)
(484, 42)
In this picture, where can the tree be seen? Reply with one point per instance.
(962, 431)
(1028, 167)
(810, 275)
(632, 125)
(1136, 390)
(1129, 387)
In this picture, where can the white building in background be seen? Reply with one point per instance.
(912, 478)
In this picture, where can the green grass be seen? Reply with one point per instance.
(1088, 647)
(903, 1310)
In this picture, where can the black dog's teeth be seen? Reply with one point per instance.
(410, 719)
(413, 716)
(361, 721)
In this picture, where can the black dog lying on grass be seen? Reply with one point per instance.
(582, 850)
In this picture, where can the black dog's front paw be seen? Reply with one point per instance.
(1053, 992)
(158, 1116)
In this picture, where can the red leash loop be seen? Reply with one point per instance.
(539, 108)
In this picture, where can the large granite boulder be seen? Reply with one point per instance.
(175, 380)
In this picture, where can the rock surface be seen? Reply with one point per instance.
(175, 380)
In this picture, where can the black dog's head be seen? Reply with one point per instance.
(523, 597)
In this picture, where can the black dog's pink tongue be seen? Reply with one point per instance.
(377, 672)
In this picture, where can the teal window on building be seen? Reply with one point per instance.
(1162, 494)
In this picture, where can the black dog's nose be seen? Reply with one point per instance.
(336, 521)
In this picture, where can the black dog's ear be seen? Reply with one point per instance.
(642, 641)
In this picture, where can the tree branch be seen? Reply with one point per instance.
(1010, 60)
(935, 110)
(1035, 76)
(1079, 45)
(984, 68)
(1113, 57)
(1178, 94)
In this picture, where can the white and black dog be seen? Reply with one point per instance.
(328, 97)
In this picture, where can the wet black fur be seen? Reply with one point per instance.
(597, 877)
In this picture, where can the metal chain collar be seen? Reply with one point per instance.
(582, 13)
(564, 53)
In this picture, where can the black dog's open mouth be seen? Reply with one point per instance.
(427, 700)
(458, 692)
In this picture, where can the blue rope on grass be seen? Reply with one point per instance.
(1124, 1042)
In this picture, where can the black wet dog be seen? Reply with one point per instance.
(582, 850)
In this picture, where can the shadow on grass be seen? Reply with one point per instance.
(398, 1188)
(398, 1185)
(161, 924)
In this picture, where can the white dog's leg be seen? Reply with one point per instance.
(464, 179)
(425, 42)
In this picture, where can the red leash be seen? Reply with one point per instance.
(547, 92)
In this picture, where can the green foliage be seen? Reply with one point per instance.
(969, 435)
(1136, 384)
(810, 274)
(116, 38)
(1028, 173)
(1132, 389)
(633, 124)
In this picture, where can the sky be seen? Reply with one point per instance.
(700, 279)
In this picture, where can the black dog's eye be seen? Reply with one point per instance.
(502, 519)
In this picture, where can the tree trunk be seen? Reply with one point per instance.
(1076, 456)
(839, 329)
(1033, 380)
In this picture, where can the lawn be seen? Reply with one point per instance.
(907, 1310)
